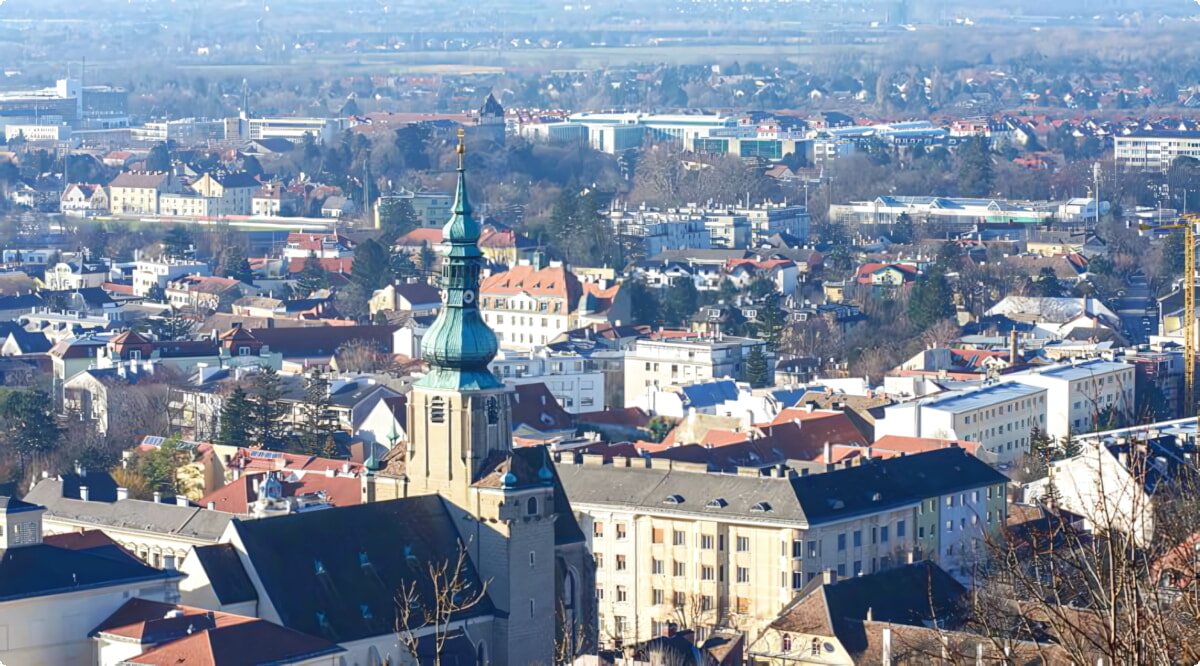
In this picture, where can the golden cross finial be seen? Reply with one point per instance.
(462, 146)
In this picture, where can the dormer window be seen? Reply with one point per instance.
(761, 507)
(718, 503)
(243, 351)
(673, 499)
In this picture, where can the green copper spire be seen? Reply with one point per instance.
(459, 345)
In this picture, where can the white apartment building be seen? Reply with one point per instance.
(661, 231)
(769, 219)
(999, 417)
(37, 132)
(650, 364)
(150, 273)
(615, 132)
(1154, 150)
(293, 129)
(575, 384)
(1083, 396)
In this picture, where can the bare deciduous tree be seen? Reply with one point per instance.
(429, 614)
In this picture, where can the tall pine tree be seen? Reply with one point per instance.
(931, 300)
(319, 423)
(236, 414)
(313, 277)
(757, 373)
(266, 411)
(371, 270)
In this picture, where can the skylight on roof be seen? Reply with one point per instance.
(761, 506)
(673, 499)
(718, 503)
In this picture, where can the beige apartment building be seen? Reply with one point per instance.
(675, 543)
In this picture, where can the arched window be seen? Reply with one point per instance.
(493, 410)
(531, 506)
(481, 654)
(437, 410)
(787, 643)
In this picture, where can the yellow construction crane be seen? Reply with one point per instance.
(1186, 224)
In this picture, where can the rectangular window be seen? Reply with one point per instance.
(858, 567)
(680, 569)
(679, 538)
(900, 529)
(620, 562)
(656, 535)
(812, 548)
(920, 531)
(599, 560)
(743, 575)
(883, 534)
(620, 530)
(949, 525)
(721, 542)
(707, 573)
(841, 542)
(797, 549)
(656, 566)
(706, 603)
(657, 594)
(743, 544)
(858, 538)
(597, 529)
(797, 580)
(599, 593)
(622, 594)
(678, 599)
(706, 541)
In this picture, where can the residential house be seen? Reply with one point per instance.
(138, 192)
(887, 276)
(324, 246)
(892, 616)
(151, 273)
(999, 417)
(783, 273)
(536, 415)
(728, 548)
(153, 633)
(715, 397)
(275, 200)
(1053, 317)
(505, 247)
(419, 298)
(84, 200)
(201, 293)
(1068, 268)
(51, 595)
(338, 207)
(231, 192)
(76, 274)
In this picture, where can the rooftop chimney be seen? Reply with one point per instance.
(157, 497)
(83, 493)
(181, 500)
(831, 577)
(1012, 347)
(122, 493)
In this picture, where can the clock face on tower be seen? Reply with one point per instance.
(469, 296)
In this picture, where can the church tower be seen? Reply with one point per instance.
(460, 447)
(458, 414)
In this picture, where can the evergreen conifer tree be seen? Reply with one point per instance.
(313, 277)
(236, 413)
(757, 372)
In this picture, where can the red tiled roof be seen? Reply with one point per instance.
(419, 237)
(908, 445)
(81, 540)
(316, 242)
(237, 496)
(554, 281)
(765, 265)
(115, 288)
(331, 265)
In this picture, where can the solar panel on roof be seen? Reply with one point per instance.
(265, 455)
(154, 440)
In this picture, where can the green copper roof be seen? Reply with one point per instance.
(459, 345)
